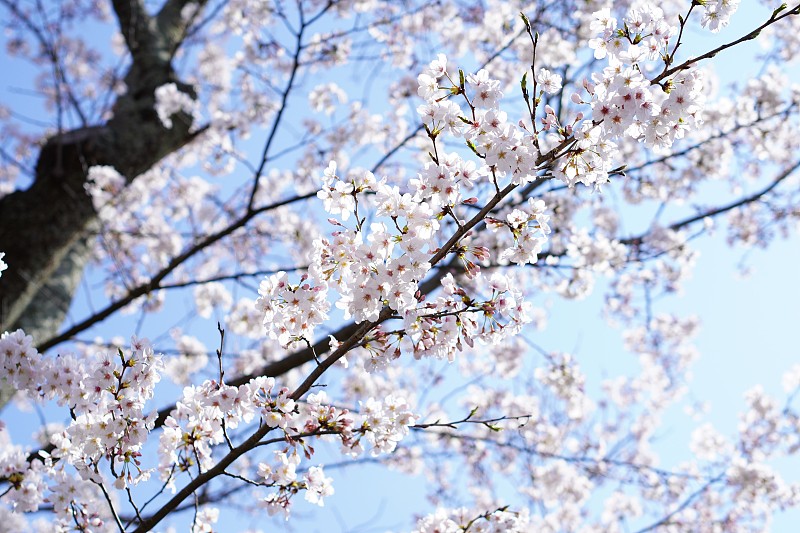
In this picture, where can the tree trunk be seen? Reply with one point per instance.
(47, 229)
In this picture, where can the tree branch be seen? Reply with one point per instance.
(134, 25)
(173, 24)
(708, 55)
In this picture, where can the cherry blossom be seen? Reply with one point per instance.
(170, 101)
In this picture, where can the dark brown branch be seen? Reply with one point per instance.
(279, 115)
(680, 224)
(686, 503)
(155, 281)
(738, 203)
(708, 55)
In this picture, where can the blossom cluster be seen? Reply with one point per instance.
(291, 312)
(463, 519)
(146, 218)
(503, 146)
(623, 102)
(381, 265)
(104, 185)
(368, 268)
(383, 424)
(112, 422)
(170, 100)
(717, 13)
(623, 98)
(106, 398)
(565, 380)
(316, 485)
(528, 226)
(205, 413)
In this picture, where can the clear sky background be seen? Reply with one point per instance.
(749, 333)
